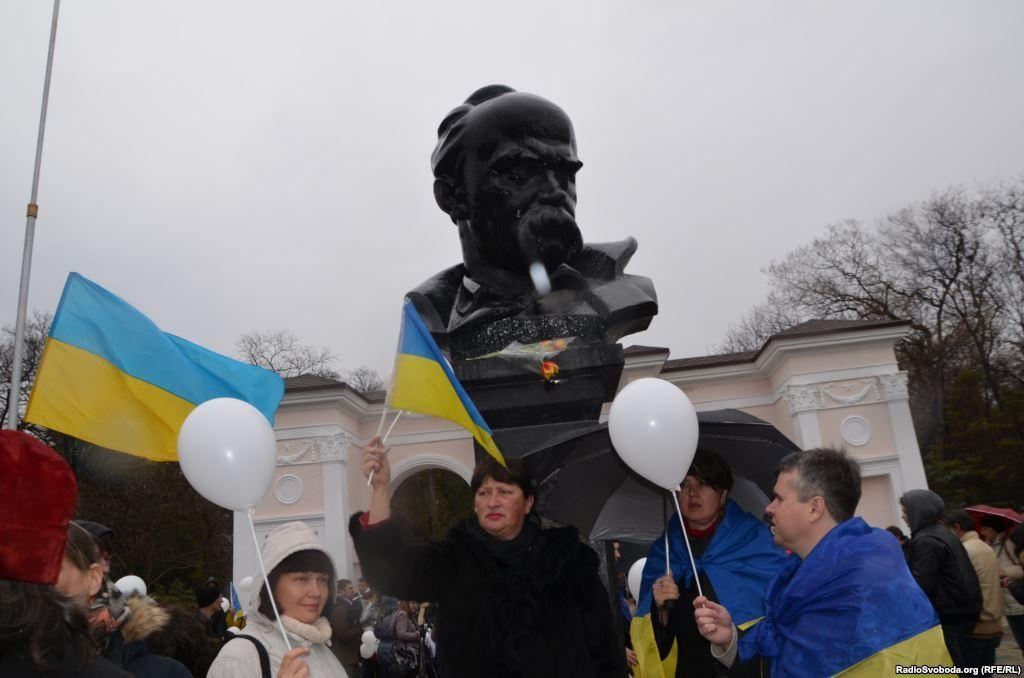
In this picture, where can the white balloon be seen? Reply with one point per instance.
(369, 644)
(130, 585)
(636, 573)
(228, 452)
(653, 427)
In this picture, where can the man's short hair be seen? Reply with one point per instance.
(342, 583)
(960, 518)
(827, 473)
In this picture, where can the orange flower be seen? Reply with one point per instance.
(548, 369)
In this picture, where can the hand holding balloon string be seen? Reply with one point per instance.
(653, 428)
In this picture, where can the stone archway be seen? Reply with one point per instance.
(428, 500)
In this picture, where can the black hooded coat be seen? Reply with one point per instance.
(938, 561)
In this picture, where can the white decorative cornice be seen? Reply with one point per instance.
(851, 392)
(894, 386)
(802, 398)
(317, 450)
(832, 395)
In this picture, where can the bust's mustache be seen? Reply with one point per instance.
(549, 234)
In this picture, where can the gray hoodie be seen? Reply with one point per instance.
(924, 508)
(939, 562)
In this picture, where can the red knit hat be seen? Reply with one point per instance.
(38, 494)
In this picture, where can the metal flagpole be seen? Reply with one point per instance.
(14, 395)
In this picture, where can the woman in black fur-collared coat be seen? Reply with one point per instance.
(514, 600)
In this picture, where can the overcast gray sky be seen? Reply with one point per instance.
(227, 166)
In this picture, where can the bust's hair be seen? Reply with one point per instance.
(825, 473)
(447, 157)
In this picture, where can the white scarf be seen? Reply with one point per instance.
(318, 632)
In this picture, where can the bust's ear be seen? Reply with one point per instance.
(451, 198)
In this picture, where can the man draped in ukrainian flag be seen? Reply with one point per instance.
(735, 559)
(844, 603)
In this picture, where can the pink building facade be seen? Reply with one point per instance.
(833, 383)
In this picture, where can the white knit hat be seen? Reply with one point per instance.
(288, 539)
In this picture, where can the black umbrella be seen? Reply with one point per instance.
(583, 482)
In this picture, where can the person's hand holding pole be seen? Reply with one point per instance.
(713, 621)
(377, 468)
(665, 589)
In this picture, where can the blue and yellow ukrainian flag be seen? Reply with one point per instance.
(850, 608)
(423, 382)
(109, 376)
(740, 561)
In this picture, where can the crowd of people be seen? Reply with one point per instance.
(812, 591)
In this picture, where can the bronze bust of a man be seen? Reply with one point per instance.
(505, 173)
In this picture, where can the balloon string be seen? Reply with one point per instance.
(689, 551)
(263, 570)
(664, 519)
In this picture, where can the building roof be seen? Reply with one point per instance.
(644, 350)
(305, 382)
(310, 382)
(313, 382)
(811, 328)
(815, 327)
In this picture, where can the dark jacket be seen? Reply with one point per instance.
(536, 612)
(19, 665)
(938, 561)
(127, 647)
(347, 631)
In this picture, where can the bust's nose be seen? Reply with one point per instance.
(555, 191)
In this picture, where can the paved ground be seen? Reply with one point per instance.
(1008, 652)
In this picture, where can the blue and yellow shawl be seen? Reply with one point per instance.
(740, 561)
(851, 607)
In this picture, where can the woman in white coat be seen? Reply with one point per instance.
(302, 578)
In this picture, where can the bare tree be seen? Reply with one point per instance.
(365, 380)
(37, 329)
(758, 325)
(953, 266)
(282, 352)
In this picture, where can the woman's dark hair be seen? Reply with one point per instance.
(997, 524)
(712, 469)
(1016, 537)
(513, 474)
(896, 532)
(184, 638)
(81, 548)
(309, 560)
(37, 619)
